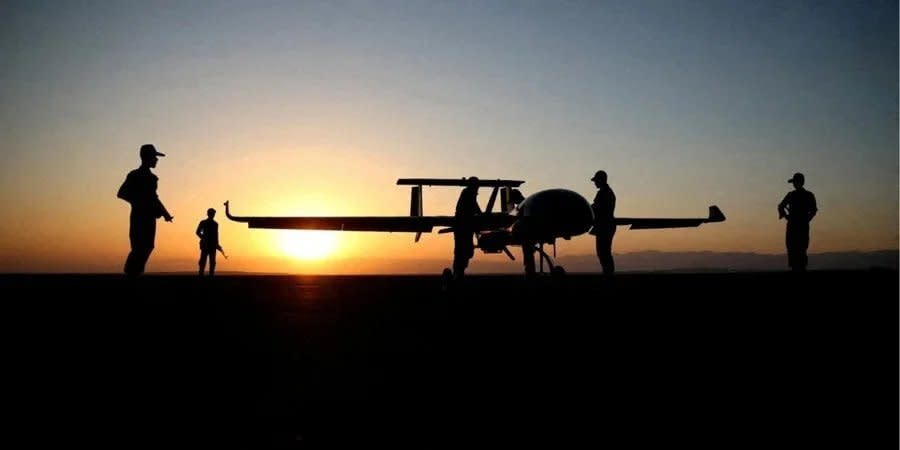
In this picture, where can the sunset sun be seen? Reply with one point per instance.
(308, 245)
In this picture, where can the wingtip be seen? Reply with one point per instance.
(228, 211)
(715, 214)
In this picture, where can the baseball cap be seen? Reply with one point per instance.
(150, 150)
(600, 175)
(797, 177)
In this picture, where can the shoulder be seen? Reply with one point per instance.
(142, 174)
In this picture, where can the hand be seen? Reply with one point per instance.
(169, 218)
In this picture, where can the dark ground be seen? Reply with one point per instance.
(713, 360)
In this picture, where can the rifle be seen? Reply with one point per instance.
(219, 248)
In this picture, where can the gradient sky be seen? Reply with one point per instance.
(293, 108)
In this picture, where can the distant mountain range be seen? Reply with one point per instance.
(732, 261)
(657, 261)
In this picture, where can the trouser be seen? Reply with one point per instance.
(528, 250)
(463, 251)
(142, 234)
(211, 254)
(797, 241)
(604, 249)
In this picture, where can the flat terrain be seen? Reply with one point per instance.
(680, 360)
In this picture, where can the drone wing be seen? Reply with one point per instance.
(715, 215)
(409, 224)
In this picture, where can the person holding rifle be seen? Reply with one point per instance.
(208, 232)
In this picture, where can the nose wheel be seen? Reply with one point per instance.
(446, 278)
(556, 271)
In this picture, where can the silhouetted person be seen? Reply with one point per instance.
(515, 198)
(139, 189)
(798, 207)
(208, 232)
(466, 209)
(604, 229)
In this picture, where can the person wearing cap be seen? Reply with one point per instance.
(466, 207)
(208, 232)
(139, 189)
(604, 228)
(798, 207)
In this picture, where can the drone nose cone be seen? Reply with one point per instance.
(554, 213)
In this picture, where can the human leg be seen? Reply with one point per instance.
(604, 250)
(142, 236)
(212, 262)
(202, 262)
(802, 245)
(797, 242)
(463, 250)
(528, 258)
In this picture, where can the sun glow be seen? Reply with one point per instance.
(308, 245)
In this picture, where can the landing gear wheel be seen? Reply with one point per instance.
(557, 272)
(446, 278)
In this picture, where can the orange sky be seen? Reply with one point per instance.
(61, 228)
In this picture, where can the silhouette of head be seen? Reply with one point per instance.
(472, 182)
(516, 197)
(149, 155)
(798, 179)
(210, 213)
(599, 178)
